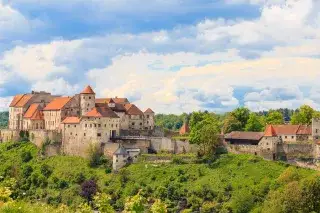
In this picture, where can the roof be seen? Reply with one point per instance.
(101, 112)
(71, 120)
(38, 115)
(23, 100)
(133, 109)
(57, 103)
(184, 129)
(87, 90)
(292, 130)
(31, 110)
(244, 135)
(149, 111)
(270, 132)
(120, 151)
(16, 99)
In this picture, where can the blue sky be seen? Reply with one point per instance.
(171, 55)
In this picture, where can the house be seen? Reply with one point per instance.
(243, 138)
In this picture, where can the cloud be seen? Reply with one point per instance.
(4, 103)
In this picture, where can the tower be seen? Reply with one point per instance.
(149, 119)
(87, 100)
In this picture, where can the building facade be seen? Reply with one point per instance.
(81, 119)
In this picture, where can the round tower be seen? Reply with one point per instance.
(87, 100)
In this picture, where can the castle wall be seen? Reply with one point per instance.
(244, 149)
(39, 136)
(296, 150)
(136, 122)
(8, 135)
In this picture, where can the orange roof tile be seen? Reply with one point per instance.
(270, 132)
(15, 100)
(149, 111)
(133, 109)
(24, 100)
(244, 135)
(38, 115)
(57, 103)
(71, 120)
(115, 100)
(184, 129)
(87, 90)
(101, 112)
(31, 110)
(304, 130)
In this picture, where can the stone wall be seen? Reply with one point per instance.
(243, 149)
(172, 146)
(7, 135)
(39, 136)
(109, 148)
(293, 151)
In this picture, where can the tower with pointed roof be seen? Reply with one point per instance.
(149, 119)
(269, 143)
(87, 100)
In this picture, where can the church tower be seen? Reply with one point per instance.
(87, 100)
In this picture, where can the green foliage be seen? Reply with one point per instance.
(136, 204)
(26, 156)
(4, 117)
(274, 117)
(159, 207)
(102, 203)
(171, 121)
(255, 123)
(304, 115)
(95, 156)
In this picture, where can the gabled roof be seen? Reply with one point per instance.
(23, 100)
(99, 112)
(31, 110)
(15, 100)
(87, 90)
(184, 129)
(38, 115)
(291, 130)
(121, 151)
(149, 111)
(71, 120)
(57, 103)
(133, 109)
(244, 135)
(115, 100)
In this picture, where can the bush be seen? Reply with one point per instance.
(27, 171)
(46, 170)
(108, 170)
(88, 189)
(178, 160)
(26, 156)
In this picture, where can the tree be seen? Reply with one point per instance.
(135, 204)
(255, 123)
(159, 207)
(274, 118)
(88, 189)
(206, 134)
(303, 116)
(242, 115)
(231, 124)
(102, 203)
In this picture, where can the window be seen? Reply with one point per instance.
(148, 116)
(88, 104)
(286, 137)
(68, 126)
(95, 125)
(140, 124)
(111, 125)
(267, 144)
(84, 134)
(116, 125)
(132, 123)
(86, 125)
(70, 133)
(99, 125)
(292, 137)
(147, 122)
(99, 134)
(75, 125)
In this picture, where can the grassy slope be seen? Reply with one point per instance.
(235, 174)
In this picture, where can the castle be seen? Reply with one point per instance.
(75, 121)
(278, 141)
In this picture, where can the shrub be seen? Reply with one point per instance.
(88, 189)
(95, 156)
(46, 170)
(27, 171)
(108, 170)
(177, 160)
(26, 156)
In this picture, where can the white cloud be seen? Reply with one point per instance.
(57, 86)
(4, 103)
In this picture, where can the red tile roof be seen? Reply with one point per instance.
(102, 112)
(15, 100)
(115, 100)
(133, 109)
(149, 111)
(184, 129)
(270, 132)
(23, 100)
(244, 135)
(38, 115)
(290, 130)
(71, 120)
(31, 110)
(57, 103)
(87, 90)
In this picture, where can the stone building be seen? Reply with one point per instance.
(81, 119)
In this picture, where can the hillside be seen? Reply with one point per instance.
(232, 183)
(4, 116)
